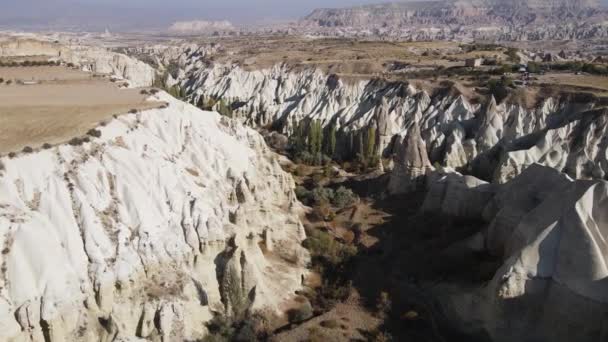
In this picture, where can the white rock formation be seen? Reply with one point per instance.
(200, 26)
(146, 231)
(103, 61)
(411, 164)
(89, 58)
(551, 233)
(23, 47)
(492, 141)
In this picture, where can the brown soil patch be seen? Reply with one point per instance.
(66, 104)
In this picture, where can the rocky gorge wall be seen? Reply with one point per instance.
(172, 216)
(542, 211)
(492, 141)
(549, 231)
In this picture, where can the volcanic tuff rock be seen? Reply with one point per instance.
(103, 61)
(94, 59)
(411, 163)
(550, 233)
(505, 20)
(491, 141)
(200, 26)
(146, 231)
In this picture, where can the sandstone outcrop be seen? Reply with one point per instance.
(147, 231)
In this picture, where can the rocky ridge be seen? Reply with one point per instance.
(171, 216)
(433, 20)
(489, 140)
(549, 231)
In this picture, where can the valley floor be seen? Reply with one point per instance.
(400, 259)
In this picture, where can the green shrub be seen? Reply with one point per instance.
(94, 133)
(534, 68)
(300, 313)
(324, 246)
(321, 194)
(221, 329)
(343, 197)
(512, 54)
(76, 141)
(500, 88)
(303, 195)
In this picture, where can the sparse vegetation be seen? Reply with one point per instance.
(76, 141)
(340, 198)
(512, 54)
(253, 328)
(28, 63)
(500, 88)
(27, 149)
(333, 260)
(300, 313)
(329, 324)
(94, 133)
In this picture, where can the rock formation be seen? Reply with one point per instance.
(550, 233)
(147, 231)
(88, 58)
(103, 61)
(493, 141)
(411, 163)
(200, 26)
(486, 19)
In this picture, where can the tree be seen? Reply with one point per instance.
(331, 141)
(500, 88)
(512, 54)
(534, 67)
(370, 145)
(224, 108)
(175, 91)
(298, 139)
(315, 137)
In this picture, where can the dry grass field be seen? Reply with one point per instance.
(596, 84)
(354, 60)
(345, 57)
(66, 103)
(44, 74)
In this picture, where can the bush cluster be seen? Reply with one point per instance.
(500, 88)
(339, 198)
(14, 64)
(94, 133)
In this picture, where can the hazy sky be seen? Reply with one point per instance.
(157, 13)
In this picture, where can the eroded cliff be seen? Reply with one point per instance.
(170, 216)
